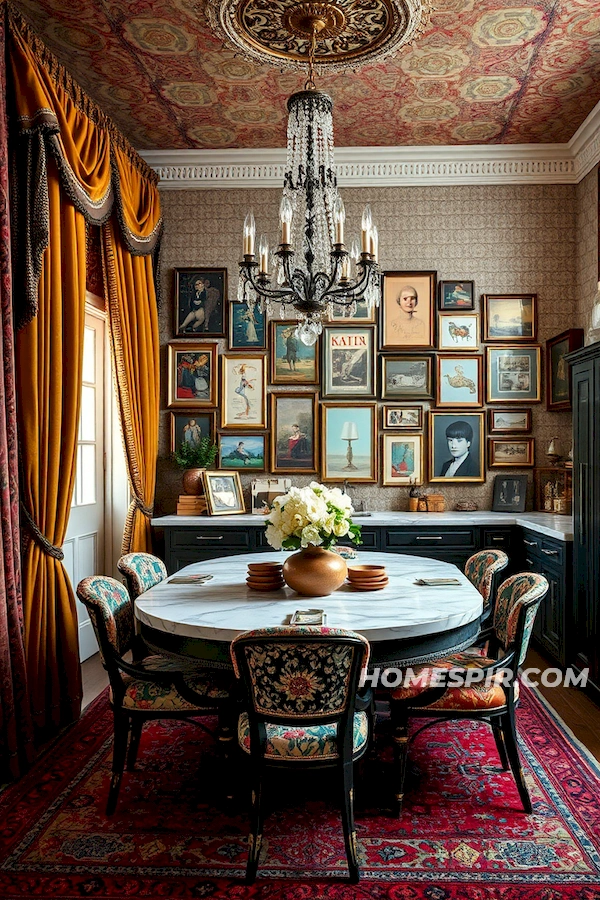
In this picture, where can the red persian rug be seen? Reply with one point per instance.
(462, 835)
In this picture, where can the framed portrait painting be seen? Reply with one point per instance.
(294, 432)
(247, 328)
(509, 421)
(244, 392)
(245, 452)
(394, 417)
(513, 374)
(511, 451)
(292, 362)
(459, 295)
(510, 493)
(192, 375)
(558, 371)
(459, 381)
(509, 317)
(456, 446)
(407, 310)
(458, 331)
(190, 428)
(223, 492)
(348, 361)
(200, 302)
(402, 459)
(406, 377)
(349, 442)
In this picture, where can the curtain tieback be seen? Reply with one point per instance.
(39, 538)
(147, 511)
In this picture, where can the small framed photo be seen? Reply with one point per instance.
(348, 361)
(247, 327)
(395, 417)
(349, 442)
(513, 374)
(355, 314)
(459, 381)
(456, 446)
(510, 493)
(509, 421)
(292, 362)
(192, 374)
(509, 317)
(406, 377)
(457, 295)
(200, 302)
(294, 432)
(264, 491)
(245, 452)
(244, 392)
(223, 492)
(408, 310)
(190, 428)
(511, 451)
(558, 371)
(402, 459)
(458, 331)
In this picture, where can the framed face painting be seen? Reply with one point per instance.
(395, 417)
(292, 362)
(456, 446)
(513, 374)
(294, 432)
(349, 442)
(558, 371)
(408, 310)
(192, 380)
(244, 390)
(509, 317)
(459, 381)
(457, 295)
(223, 492)
(408, 377)
(348, 361)
(458, 331)
(402, 459)
(247, 329)
(510, 493)
(509, 421)
(190, 428)
(200, 302)
(245, 452)
(511, 451)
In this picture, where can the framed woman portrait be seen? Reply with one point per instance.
(406, 377)
(245, 452)
(192, 374)
(247, 329)
(513, 374)
(517, 452)
(456, 446)
(349, 442)
(558, 371)
(292, 362)
(509, 317)
(459, 381)
(394, 417)
(508, 421)
(200, 302)
(457, 294)
(408, 310)
(348, 361)
(402, 459)
(190, 428)
(294, 432)
(223, 492)
(243, 391)
(458, 331)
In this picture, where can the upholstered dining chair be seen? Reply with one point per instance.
(303, 709)
(489, 691)
(141, 571)
(483, 570)
(154, 687)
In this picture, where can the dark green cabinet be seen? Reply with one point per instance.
(552, 559)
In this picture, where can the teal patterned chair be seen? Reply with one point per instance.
(303, 709)
(141, 571)
(150, 688)
(491, 691)
(483, 570)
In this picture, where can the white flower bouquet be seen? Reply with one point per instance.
(314, 515)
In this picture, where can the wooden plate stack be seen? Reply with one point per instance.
(367, 578)
(265, 576)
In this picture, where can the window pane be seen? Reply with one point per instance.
(87, 425)
(89, 355)
(88, 473)
(77, 491)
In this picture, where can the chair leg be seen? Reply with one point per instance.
(121, 725)
(399, 715)
(134, 742)
(510, 739)
(500, 745)
(348, 822)
(256, 825)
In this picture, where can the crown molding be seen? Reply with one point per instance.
(392, 166)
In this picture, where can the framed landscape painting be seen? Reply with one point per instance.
(292, 362)
(190, 428)
(349, 442)
(406, 377)
(513, 374)
(456, 446)
(509, 317)
(459, 295)
(459, 381)
(509, 421)
(511, 451)
(348, 362)
(408, 310)
(294, 432)
(558, 371)
(247, 329)
(200, 302)
(244, 392)
(394, 417)
(402, 459)
(192, 374)
(245, 452)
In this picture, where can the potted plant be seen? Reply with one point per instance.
(194, 457)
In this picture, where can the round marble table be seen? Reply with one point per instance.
(405, 623)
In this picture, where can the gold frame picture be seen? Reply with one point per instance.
(505, 315)
(193, 433)
(296, 434)
(393, 474)
(508, 459)
(407, 314)
(509, 381)
(192, 380)
(350, 421)
(439, 445)
(250, 373)
(463, 388)
(219, 505)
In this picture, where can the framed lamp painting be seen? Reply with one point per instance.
(192, 380)
(408, 310)
(558, 371)
(349, 442)
(244, 392)
(456, 446)
(200, 302)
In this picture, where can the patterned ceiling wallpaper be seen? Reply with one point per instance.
(484, 72)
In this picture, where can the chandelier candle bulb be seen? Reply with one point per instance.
(374, 243)
(339, 217)
(367, 221)
(263, 252)
(249, 234)
(286, 212)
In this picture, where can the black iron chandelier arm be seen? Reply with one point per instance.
(353, 289)
(262, 289)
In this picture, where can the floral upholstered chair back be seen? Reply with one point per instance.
(111, 614)
(141, 572)
(301, 673)
(517, 603)
(482, 568)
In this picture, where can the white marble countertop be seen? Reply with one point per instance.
(559, 527)
(225, 606)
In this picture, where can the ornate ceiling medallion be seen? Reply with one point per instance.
(348, 33)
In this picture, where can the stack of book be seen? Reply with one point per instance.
(190, 505)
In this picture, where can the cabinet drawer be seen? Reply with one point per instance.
(496, 539)
(532, 543)
(552, 551)
(370, 540)
(425, 538)
(211, 537)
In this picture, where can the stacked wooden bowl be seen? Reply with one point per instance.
(367, 578)
(265, 576)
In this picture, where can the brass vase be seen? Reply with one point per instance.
(192, 482)
(315, 572)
